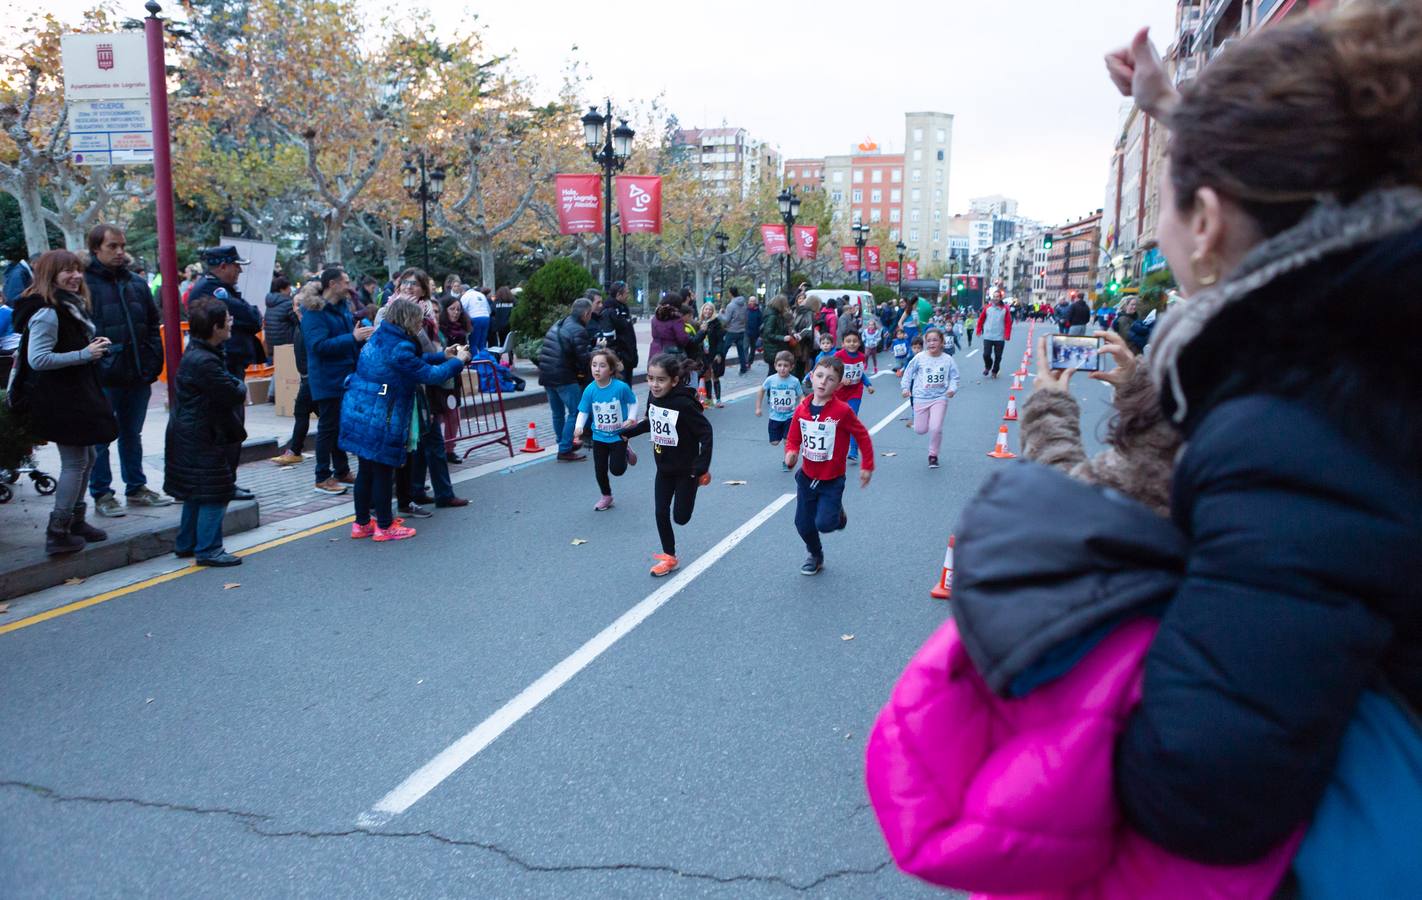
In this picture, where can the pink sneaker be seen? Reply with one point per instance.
(359, 531)
(604, 504)
(396, 532)
(631, 457)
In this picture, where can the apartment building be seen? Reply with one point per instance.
(730, 160)
(928, 162)
(804, 175)
(1074, 262)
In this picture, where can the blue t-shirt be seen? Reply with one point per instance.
(782, 395)
(606, 407)
(901, 348)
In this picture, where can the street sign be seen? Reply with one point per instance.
(104, 66)
(111, 132)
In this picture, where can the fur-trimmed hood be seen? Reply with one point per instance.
(1327, 312)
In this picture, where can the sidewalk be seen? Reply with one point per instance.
(282, 492)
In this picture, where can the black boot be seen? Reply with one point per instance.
(89, 533)
(57, 538)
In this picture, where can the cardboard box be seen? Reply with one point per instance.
(286, 380)
(258, 390)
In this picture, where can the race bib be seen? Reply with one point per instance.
(853, 373)
(606, 415)
(663, 422)
(782, 400)
(935, 376)
(817, 440)
(900, 351)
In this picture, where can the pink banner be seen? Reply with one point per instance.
(773, 236)
(639, 203)
(910, 270)
(579, 203)
(891, 270)
(850, 257)
(807, 241)
(871, 258)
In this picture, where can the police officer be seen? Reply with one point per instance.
(242, 348)
(223, 267)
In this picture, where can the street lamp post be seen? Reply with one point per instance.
(723, 241)
(901, 247)
(424, 183)
(861, 237)
(610, 147)
(789, 211)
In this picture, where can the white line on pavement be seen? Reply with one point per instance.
(429, 776)
(972, 353)
(889, 418)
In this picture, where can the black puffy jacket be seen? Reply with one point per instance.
(122, 308)
(64, 405)
(566, 354)
(279, 321)
(207, 422)
(1300, 490)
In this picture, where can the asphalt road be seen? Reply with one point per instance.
(453, 715)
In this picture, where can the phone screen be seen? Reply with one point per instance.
(1075, 352)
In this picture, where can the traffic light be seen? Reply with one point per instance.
(1047, 241)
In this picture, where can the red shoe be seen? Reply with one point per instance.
(666, 565)
(396, 532)
(631, 457)
(359, 531)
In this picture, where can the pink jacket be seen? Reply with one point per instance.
(1013, 796)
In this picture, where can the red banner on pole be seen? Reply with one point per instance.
(639, 203)
(773, 236)
(973, 283)
(891, 270)
(871, 258)
(807, 241)
(579, 203)
(910, 270)
(850, 257)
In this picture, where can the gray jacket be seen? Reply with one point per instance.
(1046, 565)
(734, 315)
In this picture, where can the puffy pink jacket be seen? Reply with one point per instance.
(1013, 796)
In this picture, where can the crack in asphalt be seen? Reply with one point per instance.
(252, 822)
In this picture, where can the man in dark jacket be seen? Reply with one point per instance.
(563, 363)
(124, 312)
(223, 266)
(18, 276)
(734, 317)
(1078, 315)
(754, 316)
(615, 329)
(332, 347)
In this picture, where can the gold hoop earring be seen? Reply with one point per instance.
(1210, 278)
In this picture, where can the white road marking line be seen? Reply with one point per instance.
(889, 418)
(972, 353)
(431, 774)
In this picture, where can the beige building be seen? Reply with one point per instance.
(729, 159)
(928, 162)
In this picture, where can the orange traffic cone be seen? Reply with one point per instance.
(1011, 414)
(944, 588)
(531, 445)
(999, 450)
(1017, 382)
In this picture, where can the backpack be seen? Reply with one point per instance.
(1363, 841)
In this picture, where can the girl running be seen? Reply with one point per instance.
(873, 337)
(931, 380)
(611, 406)
(681, 442)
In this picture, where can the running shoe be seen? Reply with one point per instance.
(604, 504)
(933, 462)
(666, 564)
(812, 565)
(631, 456)
(346, 477)
(145, 496)
(396, 532)
(288, 458)
(415, 511)
(359, 531)
(330, 486)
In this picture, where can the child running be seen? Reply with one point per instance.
(851, 388)
(681, 443)
(784, 392)
(916, 346)
(826, 351)
(873, 336)
(819, 485)
(930, 380)
(611, 405)
(901, 350)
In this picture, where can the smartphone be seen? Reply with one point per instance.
(365, 323)
(1075, 352)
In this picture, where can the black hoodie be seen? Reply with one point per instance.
(692, 453)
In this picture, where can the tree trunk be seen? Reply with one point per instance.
(335, 224)
(700, 276)
(392, 262)
(486, 265)
(31, 216)
(313, 243)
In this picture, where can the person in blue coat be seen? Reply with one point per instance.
(332, 345)
(378, 420)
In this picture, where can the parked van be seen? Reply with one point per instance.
(862, 299)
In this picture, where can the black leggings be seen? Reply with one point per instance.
(676, 499)
(608, 457)
(374, 484)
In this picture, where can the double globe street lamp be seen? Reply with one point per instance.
(610, 148)
(789, 211)
(723, 241)
(424, 183)
(861, 237)
(901, 247)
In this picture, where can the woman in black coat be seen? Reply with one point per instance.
(55, 387)
(197, 464)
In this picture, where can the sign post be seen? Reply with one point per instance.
(163, 196)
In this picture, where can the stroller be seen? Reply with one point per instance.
(17, 457)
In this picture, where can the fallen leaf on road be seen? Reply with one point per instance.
(578, 542)
(848, 735)
(733, 482)
(846, 637)
(421, 681)
(4, 608)
(148, 634)
(231, 584)
(890, 454)
(149, 700)
(73, 581)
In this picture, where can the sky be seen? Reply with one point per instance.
(1035, 116)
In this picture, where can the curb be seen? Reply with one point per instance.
(38, 571)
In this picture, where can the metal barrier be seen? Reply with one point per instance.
(477, 415)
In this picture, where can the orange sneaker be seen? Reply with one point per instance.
(396, 532)
(359, 531)
(665, 566)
